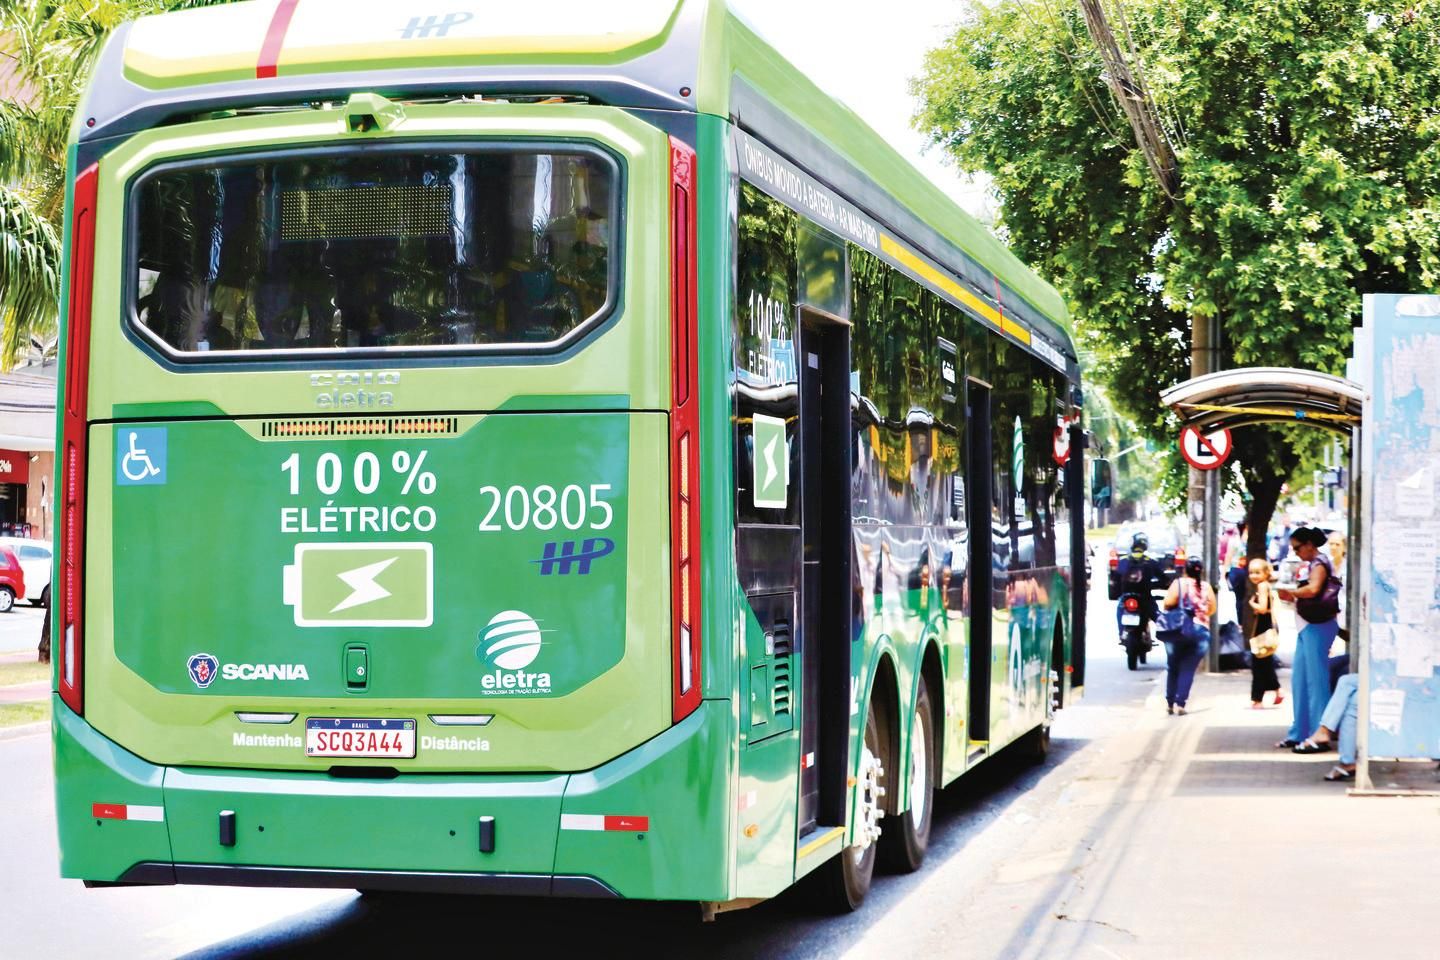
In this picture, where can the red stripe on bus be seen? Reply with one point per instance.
(627, 823)
(275, 39)
(108, 811)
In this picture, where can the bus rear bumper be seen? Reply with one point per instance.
(409, 881)
(649, 824)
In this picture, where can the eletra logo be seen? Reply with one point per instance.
(511, 640)
(510, 643)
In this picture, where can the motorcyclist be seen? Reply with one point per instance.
(1138, 574)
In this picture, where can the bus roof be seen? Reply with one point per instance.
(693, 55)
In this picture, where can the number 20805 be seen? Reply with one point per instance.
(546, 508)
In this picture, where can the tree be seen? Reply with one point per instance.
(1305, 137)
(53, 46)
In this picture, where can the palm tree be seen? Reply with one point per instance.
(52, 46)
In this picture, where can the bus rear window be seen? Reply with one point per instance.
(501, 249)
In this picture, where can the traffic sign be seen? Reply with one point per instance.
(1206, 451)
(1061, 447)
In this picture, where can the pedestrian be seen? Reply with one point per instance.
(1264, 637)
(1338, 722)
(1186, 646)
(1236, 575)
(1316, 602)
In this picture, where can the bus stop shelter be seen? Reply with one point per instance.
(1389, 407)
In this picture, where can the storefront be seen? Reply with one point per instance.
(27, 458)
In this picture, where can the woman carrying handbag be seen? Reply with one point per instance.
(1264, 638)
(1185, 631)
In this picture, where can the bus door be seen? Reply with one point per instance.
(981, 563)
(825, 623)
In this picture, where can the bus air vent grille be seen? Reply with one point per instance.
(780, 673)
(317, 429)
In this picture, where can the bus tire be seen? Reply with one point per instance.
(907, 834)
(1035, 745)
(842, 882)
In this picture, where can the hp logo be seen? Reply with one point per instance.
(566, 556)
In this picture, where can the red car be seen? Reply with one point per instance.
(12, 580)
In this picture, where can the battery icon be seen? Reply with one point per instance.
(361, 585)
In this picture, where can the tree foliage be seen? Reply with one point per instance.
(53, 47)
(1306, 135)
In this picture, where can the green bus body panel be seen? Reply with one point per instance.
(409, 823)
(677, 781)
(326, 35)
(90, 769)
(627, 356)
(177, 578)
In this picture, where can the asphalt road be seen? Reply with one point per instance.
(979, 821)
(20, 628)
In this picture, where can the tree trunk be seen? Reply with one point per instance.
(1264, 495)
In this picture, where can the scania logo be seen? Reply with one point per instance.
(204, 668)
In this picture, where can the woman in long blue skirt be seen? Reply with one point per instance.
(1310, 677)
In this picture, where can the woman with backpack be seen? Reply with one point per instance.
(1185, 630)
(1317, 602)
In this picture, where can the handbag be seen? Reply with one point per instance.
(1265, 643)
(1325, 605)
(1178, 623)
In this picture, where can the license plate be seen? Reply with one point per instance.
(1130, 619)
(342, 737)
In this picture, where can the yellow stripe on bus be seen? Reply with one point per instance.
(819, 842)
(920, 268)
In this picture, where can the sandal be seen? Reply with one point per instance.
(1338, 772)
(1308, 745)
(1286, 744)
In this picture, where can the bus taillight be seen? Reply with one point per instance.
(684, 424)
(73, 439)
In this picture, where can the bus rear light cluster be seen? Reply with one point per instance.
(73, 441)
(684, 427)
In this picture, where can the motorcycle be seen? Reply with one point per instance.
(1134, 629)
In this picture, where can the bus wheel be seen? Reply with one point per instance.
(907, 834)
(1035, 745)
(845, 879)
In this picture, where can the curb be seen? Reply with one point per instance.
(23, 730)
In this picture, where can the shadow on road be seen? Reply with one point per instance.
(788, 926)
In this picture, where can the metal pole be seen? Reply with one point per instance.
(1212, 557)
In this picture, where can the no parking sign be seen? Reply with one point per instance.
(1206, 451)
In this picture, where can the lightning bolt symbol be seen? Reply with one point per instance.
(770, 468)
(363, 587)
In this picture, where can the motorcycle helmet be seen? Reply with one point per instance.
(1139, 543)
(1195, 567)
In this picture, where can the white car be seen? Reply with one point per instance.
(35, 561)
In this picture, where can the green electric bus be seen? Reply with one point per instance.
(540, 448)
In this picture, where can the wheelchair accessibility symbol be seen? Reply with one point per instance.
(139, 456)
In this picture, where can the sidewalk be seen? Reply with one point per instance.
(25, 692)
(1193, 837)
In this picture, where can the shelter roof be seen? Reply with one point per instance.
(1251, 395)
